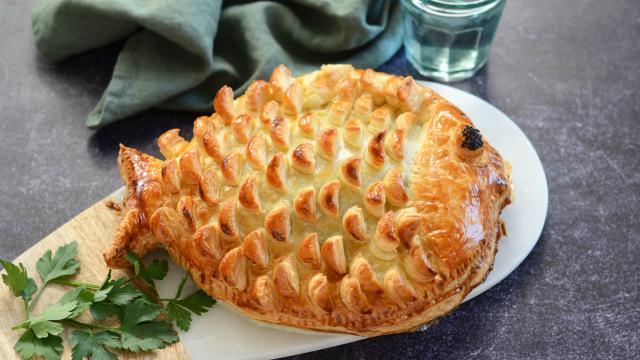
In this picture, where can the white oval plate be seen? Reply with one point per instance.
(223, 334)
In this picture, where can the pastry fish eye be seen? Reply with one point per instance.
(472, 139)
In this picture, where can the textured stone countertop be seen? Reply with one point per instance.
(567, 72)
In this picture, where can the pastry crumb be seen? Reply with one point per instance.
(112, 205)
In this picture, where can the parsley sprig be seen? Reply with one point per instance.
(128, 314)
(179, 310)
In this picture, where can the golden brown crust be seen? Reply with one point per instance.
(229, 228)
(248, 195)
(395, 188)
(211, 184)
(165, 226)
(320, 293)
(276, 173)
(171, 176)
(352, 295)
(256, 249)
(398, 287)
(280, 81)
(375, 198)
(332, 252)
(405, 121)
(354, 224)
(223, 104)
(303, 158)
(309, 251)
(394, 144)
(279, 131)
(361, 270)
(408, 222)
(308, 125)
(242, 127)
(258, 93)
(379, 120)
(186, 210)
(285, 278)
(207, 242)
(201, 125)
(261, 295)
(386, 237)
(233, 269)
(417, 265)
(413, 232)
(277, 223)
(232, 167)
(171, 143)
(305, 204)
(256, 152)
(292, 101)
(350, 172)
(269, 111)
(339, 112)
(352, 133)
(190, 167)
(328, 143)
(363, 107)
(375, 150)
(328, 198)
(212, 145)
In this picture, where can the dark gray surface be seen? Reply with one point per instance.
(566, 72)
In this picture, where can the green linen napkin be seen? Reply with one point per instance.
(177, 53)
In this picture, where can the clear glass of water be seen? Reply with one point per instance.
(449, 40)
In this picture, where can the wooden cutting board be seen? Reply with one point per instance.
(93, 230)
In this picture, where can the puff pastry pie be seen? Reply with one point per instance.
(342, 200)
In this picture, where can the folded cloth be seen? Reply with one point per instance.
(177, 53)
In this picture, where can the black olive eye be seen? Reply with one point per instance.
(472, 138)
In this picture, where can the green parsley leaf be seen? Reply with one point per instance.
(62, 263)
(140, 331)
(105, 283)
(181, 287)
(178, 309)
(148, 336)
(42, 329)
(15, 278)
(31, 289)
(108, 339)
(122, 292)
(29, 346)
(104, 310)
(18, 281)
(82, 295)
(105, 288)
(56, 311)
(135, 261)
(139, 311)
(198, 302)
(102, 294)
(178, 314)
(43, 323)
(111, 296)
(87, 344)
(157, 270)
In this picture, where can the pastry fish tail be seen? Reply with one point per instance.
(141, 174)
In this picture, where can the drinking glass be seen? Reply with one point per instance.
(449, 40)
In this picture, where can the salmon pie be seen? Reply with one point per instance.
(343, 200)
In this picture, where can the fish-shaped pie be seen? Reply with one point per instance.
(343, 200)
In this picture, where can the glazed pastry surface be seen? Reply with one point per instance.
(343, 200)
